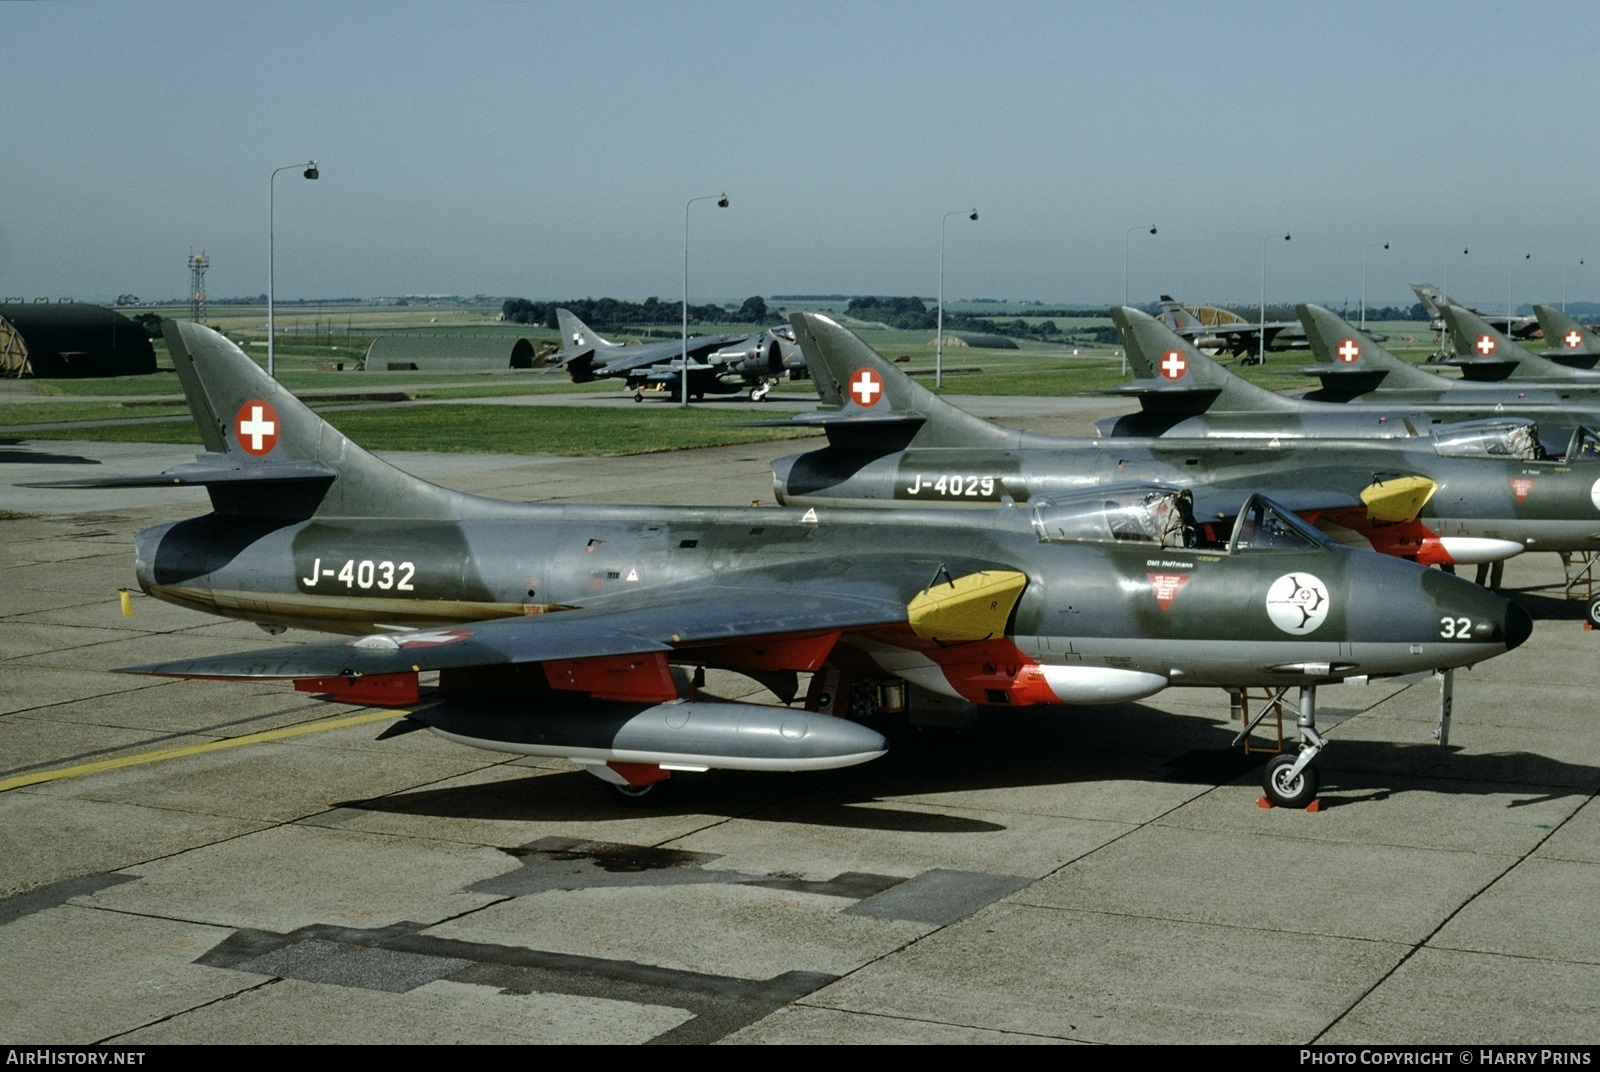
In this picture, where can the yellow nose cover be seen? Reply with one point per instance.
(1399, 499)
(974, 607)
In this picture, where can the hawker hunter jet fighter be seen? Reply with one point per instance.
(1473, 493)
(1567, 341)
(572, 631)
(1434, 301)
(1487, 354)
(1185, 393)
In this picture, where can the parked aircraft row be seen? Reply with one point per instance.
(712, 364)
(1080, 571)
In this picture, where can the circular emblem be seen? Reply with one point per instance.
(1572, 339)
(1297, 603)
(1173, 364)
(1484, 345)
(866, 387)
(1348, 350)
(256, 426)
(1594, 494)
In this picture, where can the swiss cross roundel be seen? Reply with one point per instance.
(256, 427)
(1348, 350)
(866, 387)
(1572, 339)
(1484, 345)
(1173, 364)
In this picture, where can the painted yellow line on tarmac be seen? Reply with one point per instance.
(195, 749)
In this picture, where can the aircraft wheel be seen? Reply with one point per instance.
(1593, 613)
(638, 396)
(640, 796)
(1286, 792)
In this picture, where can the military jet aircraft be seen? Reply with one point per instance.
(588, 357)
(1474, 493)
(1185, 393)
(560, 630)
(1434, 301)
(758, 363)
(1487, 354)
(1574, 344)
(1212, 329)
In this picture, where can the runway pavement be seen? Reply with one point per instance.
(185, 861)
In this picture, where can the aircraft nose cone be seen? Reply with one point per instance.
(1518, 625)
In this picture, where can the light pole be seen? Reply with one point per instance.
(1364, 283)
(1510, 264)
(1445, 338)
(272, 187)
(722, 202)
(938, 342)
(1126, 237)
(1261, 355)
(1564, 285)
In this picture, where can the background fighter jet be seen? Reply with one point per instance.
(1478, 493)
(559, 630)
(1487, 354)
(1216, 330)
(589, 357)
(758, 363)
(1434, 300)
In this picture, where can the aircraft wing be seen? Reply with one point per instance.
(666, 351)
(744, 607)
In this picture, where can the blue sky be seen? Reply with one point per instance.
(546, 149)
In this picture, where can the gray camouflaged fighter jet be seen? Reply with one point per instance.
(1486, 354)
(1567, 342)
(569, 630)
(588, 357)
(1471, 493)
(1185, 393)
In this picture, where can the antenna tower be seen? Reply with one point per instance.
(198, 263)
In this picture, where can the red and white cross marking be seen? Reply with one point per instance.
(866, 387)
(1484, 345)
(1173, 364)
(1348, 350)
(1572, 339)
(256, 426)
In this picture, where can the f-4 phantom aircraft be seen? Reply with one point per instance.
(718, 364)
(1473, 493)
(569, 630)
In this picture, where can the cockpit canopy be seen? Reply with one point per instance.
(1156, 514)
(1263, 524)
(1489, 439)
(1584, 446)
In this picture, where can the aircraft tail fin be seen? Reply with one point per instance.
(582, 349)
(1174, 376)
(273, 455)
(866, 401)
(1350, 363)
(1431, 297)
(1564, 334)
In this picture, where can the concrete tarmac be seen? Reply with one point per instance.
(207, 862)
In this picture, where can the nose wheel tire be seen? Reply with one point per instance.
(1593, 612)
(1286, 792)
(640, 796)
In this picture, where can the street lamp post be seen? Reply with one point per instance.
(722, 202)
(1510, 264)
(1444, 299)
(1564, 285)
(1364, 283)
(1261, 355)
(310, 173)
(938, 342)
(1126, 237)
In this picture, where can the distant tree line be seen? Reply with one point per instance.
(604, 313)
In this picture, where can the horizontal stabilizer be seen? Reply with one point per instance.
(207, 472)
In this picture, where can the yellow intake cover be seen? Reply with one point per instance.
(974, 607)
(1400, 499)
